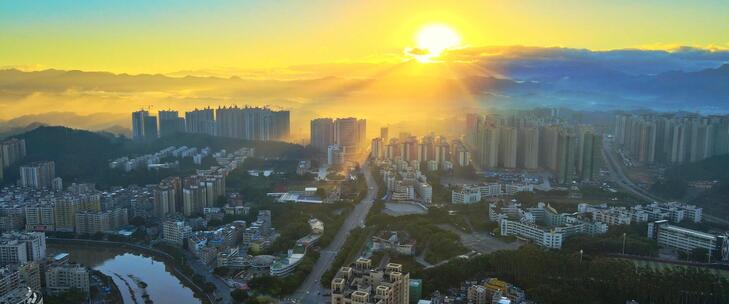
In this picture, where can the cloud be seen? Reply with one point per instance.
(414, 52)
(462, 80)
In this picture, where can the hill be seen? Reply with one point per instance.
(713, 168)
(715, 201)
(83, 156)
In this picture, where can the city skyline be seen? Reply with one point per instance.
(364, 152)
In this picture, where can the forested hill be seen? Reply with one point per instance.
(713, 168)
(84, 156)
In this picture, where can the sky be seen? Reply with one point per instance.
(381, 60)
(143, 36)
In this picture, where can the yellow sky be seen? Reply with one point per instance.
(165, 36)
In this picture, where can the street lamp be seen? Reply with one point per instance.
(581, 256)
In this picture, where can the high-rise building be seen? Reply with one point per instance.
(170, 123)
(442, 151)
(200, 191)
(409, 148)
(65, 211)
(11, 151)
(550, 145)
(138, 124)
(566, 157)
(350, 134)
(508, 147)
(38, 175)
(40, 217)
(461, 155)
(200, 121)
(473, 125)
(671, 138)
(229, 122)
(89, 222)
(384, 134)
(322, 133)
(265, 124)
(528, 150)
(281, 125)
(488, 141)
(392, 149)
(377, 151)
(150, 128)
(361, 284)
(590, 156)
(426, 149)
(165, 200)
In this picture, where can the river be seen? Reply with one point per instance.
(163, 286)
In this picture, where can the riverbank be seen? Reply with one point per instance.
(169, 261)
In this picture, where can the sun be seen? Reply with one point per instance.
(433, 39)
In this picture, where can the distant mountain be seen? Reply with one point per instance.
(469, 79)
(110, 122)
(11, 131)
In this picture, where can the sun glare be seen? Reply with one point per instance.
(433, 39)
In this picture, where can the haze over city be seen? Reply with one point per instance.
(364, 152)
(325, 59)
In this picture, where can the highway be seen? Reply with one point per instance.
(310, 291)
(617, 175)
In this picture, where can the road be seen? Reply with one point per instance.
(222, 290)
(310, 291)
(617, 175)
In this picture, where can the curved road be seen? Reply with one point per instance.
(310, 291)
(617, 174)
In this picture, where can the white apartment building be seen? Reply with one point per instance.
(61, 278)
(175, 232)
(466, 195)
(684, 239)
(672, 211)
(543, 225)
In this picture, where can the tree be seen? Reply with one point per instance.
(220, 271)
(138, 221)
(220, 201)
(320, 192)
(239, 295)
(525, 197)
(208, 287)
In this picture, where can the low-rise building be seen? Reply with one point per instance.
(175, 232)
(473, 193)
(62, 278)
(686, 240)
(543, 224)
(360, 283)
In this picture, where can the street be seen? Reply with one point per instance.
(222, 290)
(311, 291)
(617, 175)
